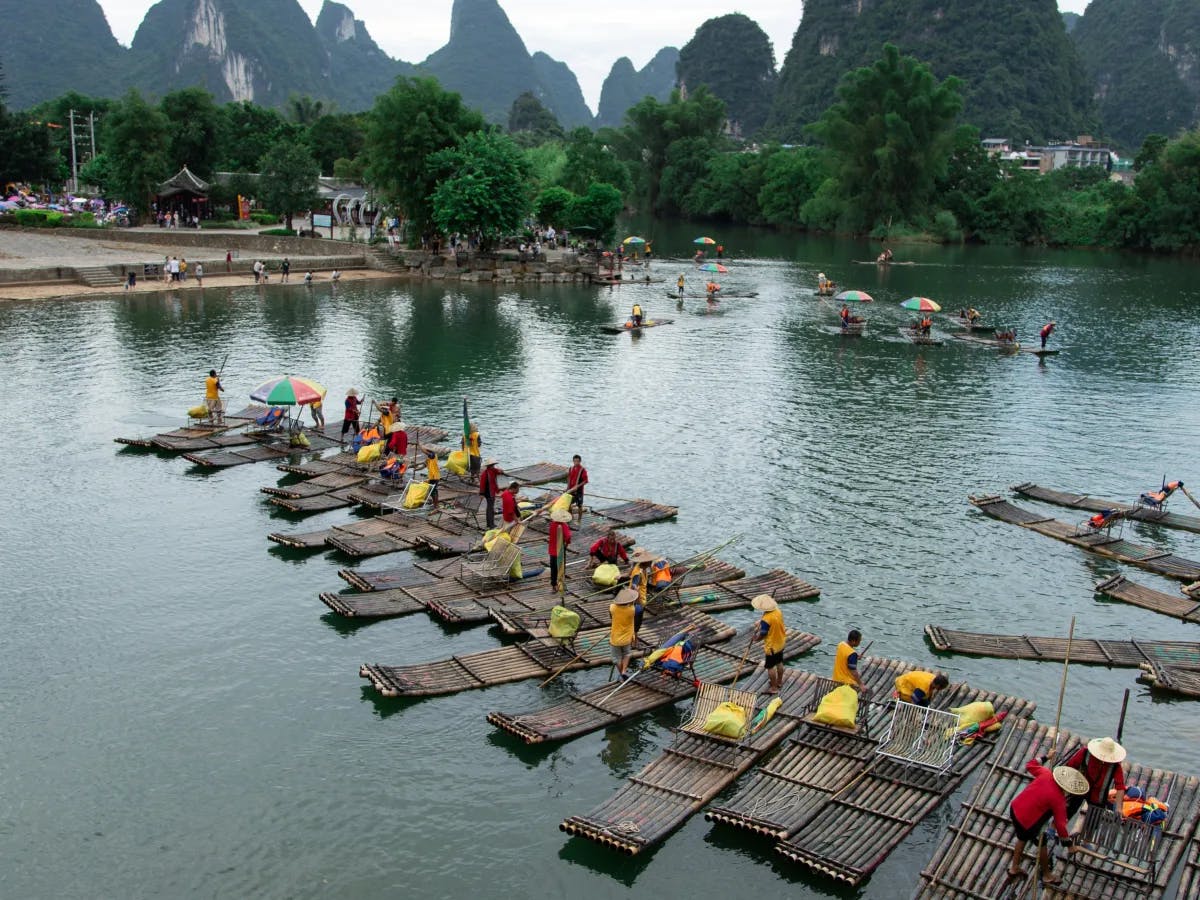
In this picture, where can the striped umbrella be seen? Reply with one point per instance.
(713, 267)
(854, 297)
(288, 390)
(634, 239)
(703, 240)
(921, 304)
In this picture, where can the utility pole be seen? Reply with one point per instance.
(92, 129)
(74, 158)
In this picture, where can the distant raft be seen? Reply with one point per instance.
(628, 326)
(1137, 512)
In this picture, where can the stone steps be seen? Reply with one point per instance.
(388, 262)
(98, 276)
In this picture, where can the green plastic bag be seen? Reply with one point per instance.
(564, 623)
(606, 575)
(727, 720)
(838, 708)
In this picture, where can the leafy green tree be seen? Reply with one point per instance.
(349, 169)
(482, 186)
(595, 212)
(1163, 211)
(408, 124)
(56, 114)
(590, 158)
(733, 57)
(790, 180)
(247, 132)
(335, 137)
(890, 136)
(530, 123)
(136, 142)
(546, 164)
(98, 172)
(685, 166)
(1150, 152)
(971, 174)
(1013, 211)
(195, 123)
(553, 205)
(652, 127)
(288, 179)
(26, 153)
(304, 111)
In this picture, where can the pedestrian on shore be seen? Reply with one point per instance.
(577, 478)
(1033, 808)
(773, 634)
(350, 418)
(845, 664)
(621, 634)
(200, 274)
(256, 269)
(336, 276)
(489, 488)
(228, 262)
(559, 541)
(212, 397)
(308, 278)
(183, 267)
(166, 269)
(285, 269)
(131, 280)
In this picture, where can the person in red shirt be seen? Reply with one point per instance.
(508, 505)
(1047, 330)
(397, 441)
(1096, 761)
(350, 419)
(489, 487)
(1036, 805)
(560, 540)
(608, 550)
(577, 477)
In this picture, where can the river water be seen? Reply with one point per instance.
(182, 720)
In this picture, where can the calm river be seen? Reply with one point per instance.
(180, 718)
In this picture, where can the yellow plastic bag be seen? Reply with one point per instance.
(606, 575)
(563, 622)
(198, 412)
(370, 453)
(456, 462)
(727, 720)
(838, 708)
(415, 495)
(973, 714)
(563, 502)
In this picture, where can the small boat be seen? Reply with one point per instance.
(1039, 352)
(915, 337)
(828, 292)
(1002, 346)
(969, 325)
(721, 295)
(854, 329)
(628, 326)
(876, 262)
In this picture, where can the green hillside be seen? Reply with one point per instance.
(733, 56)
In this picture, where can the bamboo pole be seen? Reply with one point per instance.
(1062, 691)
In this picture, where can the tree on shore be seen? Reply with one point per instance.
(481, 186)
(595, 212)
(135, 143)
(195, 123)
(288, 180)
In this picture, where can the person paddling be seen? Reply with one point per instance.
(773, 634)
(636, 315)
(1033, 808)
(212, 397)
(679, 286)
(1047, 330)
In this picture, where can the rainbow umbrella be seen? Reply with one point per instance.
(921, 304)
(634, 240)
(854, 297)
(703, 240)
(288, 390)
(713, 267)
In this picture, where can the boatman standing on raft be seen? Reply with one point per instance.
(679, 286)
(773, 634)
(1036, 805)
(489, 487)
(621, 635)
(560, 540)
(350, 419)
(577, 478)
(845, 664)
(212, 398)
(1047, 330)
(636, 315)
(1100, 763)
(471, 444)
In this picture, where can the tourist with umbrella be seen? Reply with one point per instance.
(926, 307)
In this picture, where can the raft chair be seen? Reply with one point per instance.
(708, 698)
(820, 688)
(271, 420)
(920, 736)
(1108, 838)
(1104, 520)
(493, 566)
(1156, 501)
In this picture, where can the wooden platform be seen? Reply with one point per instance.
(535, 658)
(1189, 885)
(972, 860)
(825, 775)
(1093, 504)
(582, 713)
(200, 436)
(1183, 606)
(1172, 680)
(1100, 542)
(1128, 654)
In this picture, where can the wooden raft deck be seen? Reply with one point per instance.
(1189, 885)
(1172, 680)
(875, 801)
(1128, 654)
(971, 862)
(535, 658)
(1094, 504)
(579, 714)
(687, 775)
(1101, 543)
(1185, 606)
(200, 436)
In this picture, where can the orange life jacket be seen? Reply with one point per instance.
(660, 573)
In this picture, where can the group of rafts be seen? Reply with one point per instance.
(920, 329)
(856, 754)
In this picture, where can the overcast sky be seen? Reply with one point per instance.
(587, 36)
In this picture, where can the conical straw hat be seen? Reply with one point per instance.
(1071, 780)
(1106, 750)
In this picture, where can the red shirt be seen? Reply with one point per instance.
(609, 547)
(559, 530)
(397, 442)
(1096, 773)
(576, 475)
(1043, 796)
(489, 481)
(1046, 330)
(508, 506)
(351, 409)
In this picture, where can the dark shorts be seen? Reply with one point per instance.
(771, 660)
(1028, 834)
(474, 464)
(347, 424)
(577, 499)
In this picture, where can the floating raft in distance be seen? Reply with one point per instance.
(1173, 680)
(1128, 654)
(972, 860)
(579, 714)
(877, 262)
(720, 295)
(1002, 346)
(1095, 504)
(1099, 542)
(535, 658)
(969, 325)
(922, 340)
(201, 437)
(268, 446)
(825, 775)
(1185, 606)
(622, 327)
(854, 329)
(1189, 885)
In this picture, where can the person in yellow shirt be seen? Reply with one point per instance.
(388, 413)
(318, 415)
(636, 315)
(845, 664)
(212, 397)
(620, 635)
(919, 687)
(433, 473)
(471, 444)
(773, 634)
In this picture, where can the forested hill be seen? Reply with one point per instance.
(1023, 77)
(626, 85)
(733, 56)
(1144, 59)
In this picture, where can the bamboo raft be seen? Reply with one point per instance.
(825, 775)
(1171, 679)
(1092, 504)
(1185, 606)
(578, 714)
(972, 860)
(535, 658)
(1128, 654)
(1189, 885)
(1098, 542)
(268, 446)
(201, 436)
(688, 775)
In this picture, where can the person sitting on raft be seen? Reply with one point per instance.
(1038, 803)
(712, 289)
(926, 325)
(636, 315)
(822, 283)
(1007, 337)
(919, 688)
(972, 315)
(607, 550)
